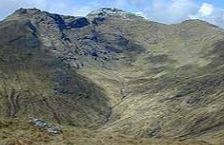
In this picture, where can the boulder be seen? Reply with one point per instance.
(42, 124)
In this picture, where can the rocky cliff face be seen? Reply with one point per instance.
(114, 70)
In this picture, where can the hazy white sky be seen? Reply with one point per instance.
(165, 11)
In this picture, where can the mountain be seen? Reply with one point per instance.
(114, 72)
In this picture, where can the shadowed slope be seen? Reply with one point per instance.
(36, 83)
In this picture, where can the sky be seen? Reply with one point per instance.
(163, 11)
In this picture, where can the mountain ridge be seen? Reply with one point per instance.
(114, 73)
(96, 12)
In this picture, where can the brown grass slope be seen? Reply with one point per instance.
(17, 132)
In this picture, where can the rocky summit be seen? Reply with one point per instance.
(111, 77)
